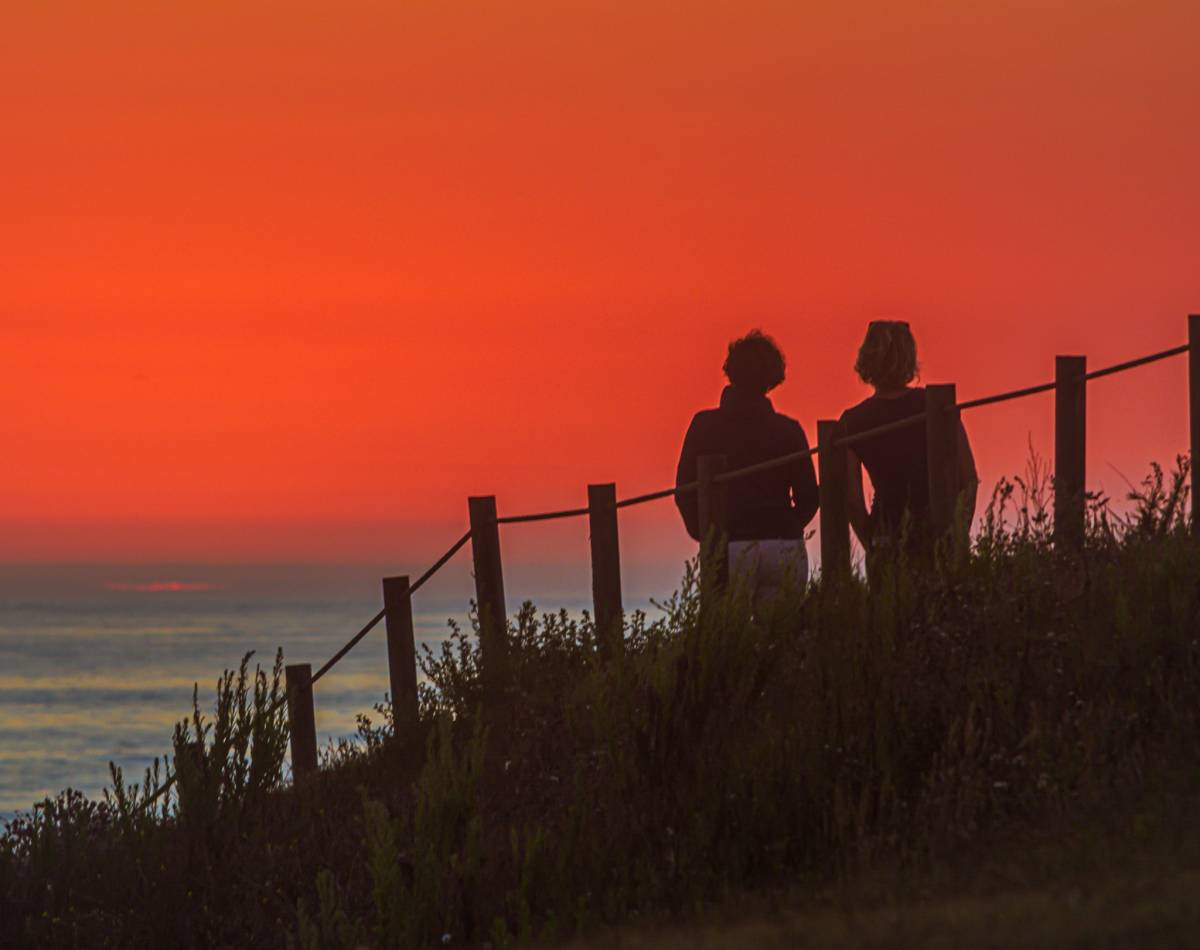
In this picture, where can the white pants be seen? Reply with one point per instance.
(766, 566)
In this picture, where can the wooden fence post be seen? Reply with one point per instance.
(402, 655)
(1194, 404)
(302, 723)
(1070, 446)
(713, 504)
(941, 447)
(835, 513)
(606, 569)
(489, 595)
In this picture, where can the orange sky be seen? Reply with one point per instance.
(290, 280)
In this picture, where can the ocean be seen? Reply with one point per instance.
(97, 663)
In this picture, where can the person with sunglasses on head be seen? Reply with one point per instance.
(899, 517)
(769, 510)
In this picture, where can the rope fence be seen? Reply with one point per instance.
(941, 420)
(543, 516)
(417, 585)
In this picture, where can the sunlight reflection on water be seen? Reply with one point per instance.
(85, 684)
(97, 663)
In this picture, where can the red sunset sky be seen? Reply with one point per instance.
(288, 281)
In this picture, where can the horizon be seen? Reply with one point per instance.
(188, 587)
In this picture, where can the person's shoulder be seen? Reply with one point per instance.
(704, 420)
(858, 411)
(792, 427)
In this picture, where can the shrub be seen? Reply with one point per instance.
(908, 724)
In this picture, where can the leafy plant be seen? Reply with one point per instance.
(907, 723)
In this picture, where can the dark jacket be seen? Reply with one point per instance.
(746, 429)
(895, 460)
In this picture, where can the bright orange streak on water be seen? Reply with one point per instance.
(162, 587)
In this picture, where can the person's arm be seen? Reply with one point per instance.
(805, 494)
(856, 499)
(968, 476)
(688, 503)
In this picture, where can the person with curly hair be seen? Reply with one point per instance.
(767, 511)
(895, 461)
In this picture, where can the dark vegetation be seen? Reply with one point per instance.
(1013, 689)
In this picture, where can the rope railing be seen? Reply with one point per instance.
(417, 585)
(1140, 361)
(722, 478)
(543, 516)
(1094, 374)
(655, 495)
(1008, 396)
(336, 658)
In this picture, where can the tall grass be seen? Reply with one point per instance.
(909, 723)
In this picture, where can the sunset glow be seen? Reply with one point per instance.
(162, 587)
(280, 284)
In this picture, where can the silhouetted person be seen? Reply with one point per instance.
(768, 511)
(896, 460)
